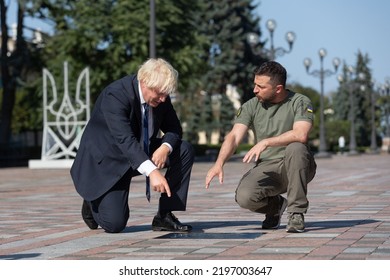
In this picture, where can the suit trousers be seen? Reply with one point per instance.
(260, 186)
(111, 210)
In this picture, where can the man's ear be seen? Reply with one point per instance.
(279, 88)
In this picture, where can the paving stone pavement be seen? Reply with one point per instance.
(348, 219)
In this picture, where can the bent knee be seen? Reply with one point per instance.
(114, 226)
(188, 149)
(296, 147)
(244, 198)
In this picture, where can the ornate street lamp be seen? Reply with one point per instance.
(322, 74)
(353, 82)
(272, 52)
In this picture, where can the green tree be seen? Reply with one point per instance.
(117, 43)
(227, 113)
(363, 110)
(193, 123)
(227, 25)
(361, 90)
(383, 107)
(334, 129)
(340, 98)
(20, 67)
(229, 57)
(207, 121)
(12, 62)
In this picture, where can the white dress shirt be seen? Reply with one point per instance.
(148, 166)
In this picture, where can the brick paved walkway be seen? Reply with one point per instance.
(348, 219)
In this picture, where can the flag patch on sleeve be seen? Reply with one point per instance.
(238, 113)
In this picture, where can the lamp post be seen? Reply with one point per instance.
(322, 74)
(272, 52)
(152, 29)
(374, 144)
(385, 90)
(352, 83)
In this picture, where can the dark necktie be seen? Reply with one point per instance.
(146, 143)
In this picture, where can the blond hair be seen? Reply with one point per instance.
(158, 74)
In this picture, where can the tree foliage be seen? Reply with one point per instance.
(112, 37)
(227, 24)
(361, 87)
(227, 58)
(20, 66)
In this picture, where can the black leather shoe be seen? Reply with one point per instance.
(169, 223)
(86, 213)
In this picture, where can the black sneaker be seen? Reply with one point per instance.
(272, 221)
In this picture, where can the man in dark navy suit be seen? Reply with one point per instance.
(121, 141)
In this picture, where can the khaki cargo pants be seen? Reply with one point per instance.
(260, 186)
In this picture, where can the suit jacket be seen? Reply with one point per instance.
(110, 144)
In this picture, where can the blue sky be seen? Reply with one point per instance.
(342, 27)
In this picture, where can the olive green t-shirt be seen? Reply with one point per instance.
(269, 120)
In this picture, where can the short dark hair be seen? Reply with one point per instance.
(274, 70)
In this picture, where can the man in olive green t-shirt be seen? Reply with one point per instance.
(281, 121)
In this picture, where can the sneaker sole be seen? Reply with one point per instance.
(159, 229)
(295, 230)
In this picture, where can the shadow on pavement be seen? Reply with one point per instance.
(18, 256)
(200, 226)
(311, 226)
